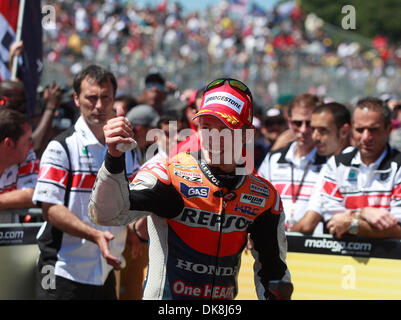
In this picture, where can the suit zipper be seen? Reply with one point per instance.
(223, 214)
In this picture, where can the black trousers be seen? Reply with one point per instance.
(65, 289)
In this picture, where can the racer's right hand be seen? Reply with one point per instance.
(117, 130)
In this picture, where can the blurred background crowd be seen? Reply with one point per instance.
(278, 52)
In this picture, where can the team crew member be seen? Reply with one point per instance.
(200, 209)
(294, 169)
(83, 254)
(361, 188)
(331, 125)
(18, 163)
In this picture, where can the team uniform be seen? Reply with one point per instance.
(198, 225)
(17, 177)
(293, 178)
(75, 259)
(348, 184)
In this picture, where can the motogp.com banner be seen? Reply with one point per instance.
(18, 234)
(347, 246)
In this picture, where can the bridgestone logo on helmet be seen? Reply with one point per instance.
(226, 99)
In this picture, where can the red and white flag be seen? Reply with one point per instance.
(30, 62)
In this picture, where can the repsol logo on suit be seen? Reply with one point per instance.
(212, 221)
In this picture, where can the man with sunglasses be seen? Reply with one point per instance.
(200, 209)
(156, 91)
(294, 169)
(331, 125)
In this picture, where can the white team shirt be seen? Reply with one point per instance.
(279, 166)
(18, 177)
(78, 259)
(348, 184)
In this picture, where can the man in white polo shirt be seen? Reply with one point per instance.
(81, 254)
(293, 170)
(361, 188)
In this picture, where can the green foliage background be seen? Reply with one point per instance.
(373, 17)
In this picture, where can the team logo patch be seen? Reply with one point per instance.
(253, 200)
(189, 176)
(260, 190)
(352, 175)
(245, 209)
(190, 192)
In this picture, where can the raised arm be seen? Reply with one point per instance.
(116, 202)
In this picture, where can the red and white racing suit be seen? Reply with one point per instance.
(198, 226)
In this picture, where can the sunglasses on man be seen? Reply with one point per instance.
(159, 86)
(299, 123)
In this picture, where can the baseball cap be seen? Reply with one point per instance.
(232, 107)
(154, 78)
(144, 115)
(273, 112)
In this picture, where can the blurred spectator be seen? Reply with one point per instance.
(194, 47)
(83, 254)
(142, 118)
(272, 125)
(331, 124)
(395, 135)
(294, 169)
(12, 95)
(18, 164)
(191, 142)
(125, 103)
(155, 92)
(360, 190)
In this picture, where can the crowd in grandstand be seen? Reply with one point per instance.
(271, 50)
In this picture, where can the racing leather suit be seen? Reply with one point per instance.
(197, 227)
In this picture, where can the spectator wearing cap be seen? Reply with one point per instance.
(142, 117)
(272, 126)
(156, 91)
